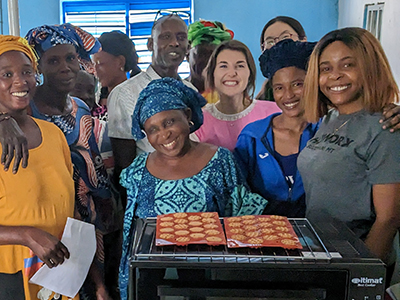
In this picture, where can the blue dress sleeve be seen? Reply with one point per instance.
(129, 179)
(242, 153)
(241, 201)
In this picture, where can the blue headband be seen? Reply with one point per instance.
(166, 94)
(286, 53)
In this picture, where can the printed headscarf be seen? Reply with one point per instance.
(286, 53)
(210, 32)
(166, 94)
(44, 37)
(16, 43)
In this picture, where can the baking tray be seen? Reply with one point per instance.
(314, 250)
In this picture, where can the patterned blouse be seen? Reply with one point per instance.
(219, 187)
(94, 201)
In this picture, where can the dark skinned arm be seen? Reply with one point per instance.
(391, 117)
(124, 152)
(14, 143)
(46, 246)
(386, 199)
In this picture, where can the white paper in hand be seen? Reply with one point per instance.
(66, 279)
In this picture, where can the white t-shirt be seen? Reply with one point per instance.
(121, 104)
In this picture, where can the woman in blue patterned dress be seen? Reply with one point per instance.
(181, 175)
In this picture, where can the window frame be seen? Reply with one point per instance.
(96, 17)
(373, 15)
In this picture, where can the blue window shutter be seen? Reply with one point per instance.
(134, 17)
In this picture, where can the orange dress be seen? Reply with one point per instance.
(41, 195)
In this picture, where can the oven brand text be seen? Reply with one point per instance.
(367, 282)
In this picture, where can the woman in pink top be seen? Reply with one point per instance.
(231, 72)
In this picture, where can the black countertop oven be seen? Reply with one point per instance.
(333, 264)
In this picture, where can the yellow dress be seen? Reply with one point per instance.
(41, 195)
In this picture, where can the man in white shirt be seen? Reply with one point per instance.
(169, 45)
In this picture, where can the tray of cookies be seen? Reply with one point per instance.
(260, 231)
(189, 228)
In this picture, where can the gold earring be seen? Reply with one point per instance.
(122, 69)
(191, 123)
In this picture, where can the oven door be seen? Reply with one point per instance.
(215, 293)
(259, 283)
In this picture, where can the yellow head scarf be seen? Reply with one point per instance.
(16, 43)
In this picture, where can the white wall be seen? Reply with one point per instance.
(351, 13)
(245, 17)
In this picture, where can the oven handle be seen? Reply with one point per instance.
(306, 294)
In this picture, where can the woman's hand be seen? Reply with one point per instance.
(102, 294)
(46, 246)
(391, 117)
(386, 200)
(13, 140)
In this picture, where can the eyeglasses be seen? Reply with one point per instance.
(184, 15)
(268, 43)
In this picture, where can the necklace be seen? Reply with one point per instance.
(337, 129)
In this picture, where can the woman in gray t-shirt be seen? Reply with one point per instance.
(351, 168)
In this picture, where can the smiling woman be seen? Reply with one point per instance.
(267, 149)
(231, 73)
(278, 29)
(62, 50)
(349, 71)
(32, 214)
(17, 81)
(180, 175)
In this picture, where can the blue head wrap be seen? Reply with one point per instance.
(44, 37)
(166, 94)
(286, 53)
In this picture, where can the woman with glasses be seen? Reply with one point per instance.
(281, 28)
(278, 29)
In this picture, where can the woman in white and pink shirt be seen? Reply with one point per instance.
(231, 72)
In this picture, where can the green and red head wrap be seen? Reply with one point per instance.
(209, 32)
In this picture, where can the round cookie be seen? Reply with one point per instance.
(180, 215)
(270, 237)
(252, 234)
(196, 229)
(239, 237)
(181, 221)
(210, 226)
(212, 232)
(282, 228)
(197, 235)
(195, 223)
(182, 239)
(213, 239)
(166, 236)
(182, 232)
(255, 241)
(166, 224)
(181, 226)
